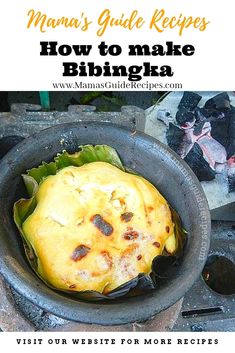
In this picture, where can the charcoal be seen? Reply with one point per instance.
(183, 116)
(189, 101)
(223, 130)
(215, 115)
(231, 174)
(174, 137)
(220, 102)
(201, 114)
(208, 114)
(231, 148)
(220, 130)
(231, 183)
(6, 143)
(231, 116)
(219, 123)
(198, 128)
(198, 164)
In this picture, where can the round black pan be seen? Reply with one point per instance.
(143, 154)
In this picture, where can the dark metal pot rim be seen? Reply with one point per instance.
(114, 313)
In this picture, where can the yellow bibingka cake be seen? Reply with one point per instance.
(95, 227)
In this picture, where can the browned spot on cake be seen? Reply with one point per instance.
(80, 252)
(139, 257)
(130, 234)
(122, 201)
(127, 216)
(107, 257)
(157, 244)
(167, 229)
(103, 226)
(129, 250)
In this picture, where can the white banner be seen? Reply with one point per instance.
(113, 342)
(117, 45)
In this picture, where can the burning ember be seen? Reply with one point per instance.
(204, 136)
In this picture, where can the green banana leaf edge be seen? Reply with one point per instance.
(23, 208)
